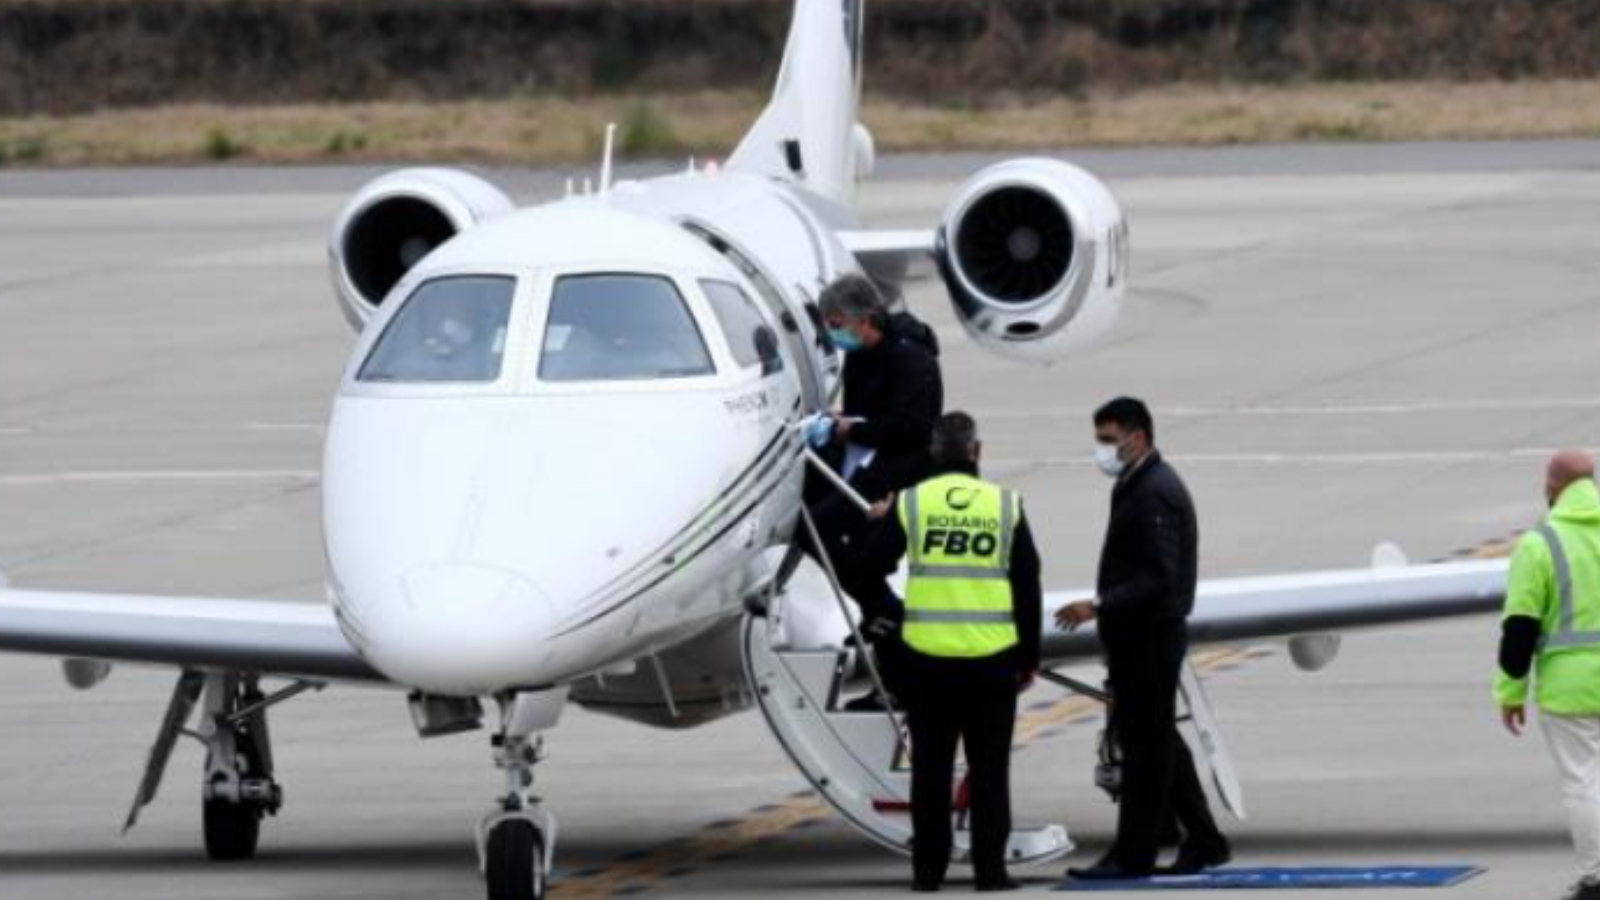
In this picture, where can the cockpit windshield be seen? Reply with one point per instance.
(620, 327)
(449, 330)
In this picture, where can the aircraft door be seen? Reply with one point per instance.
(795, 335)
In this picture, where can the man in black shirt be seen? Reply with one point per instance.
(1146, 587)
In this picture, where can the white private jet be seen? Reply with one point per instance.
(565, 465)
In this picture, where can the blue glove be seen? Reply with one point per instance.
(819, 431)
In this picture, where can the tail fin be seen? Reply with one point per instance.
(807, 132)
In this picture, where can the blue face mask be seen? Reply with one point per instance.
(845, 339)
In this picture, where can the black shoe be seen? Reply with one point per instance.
(1004, 884)
(1585, 890)
(925, 887)
(1110, 871)
(1193, 861)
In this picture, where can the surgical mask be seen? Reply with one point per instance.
(1109, 458)
(845, 339)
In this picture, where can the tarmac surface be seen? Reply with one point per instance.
(1342, 346)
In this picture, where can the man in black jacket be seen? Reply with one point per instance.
(893, 396)
(1146, 587)
(893, 390)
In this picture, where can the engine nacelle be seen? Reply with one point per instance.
(395, 221)
(1035, 255)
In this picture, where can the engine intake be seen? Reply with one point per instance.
(1014, 244)
(394, 222)
(1035, 255)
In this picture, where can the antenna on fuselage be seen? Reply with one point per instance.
(605, 158)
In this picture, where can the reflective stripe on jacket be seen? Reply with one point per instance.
(1555, 580)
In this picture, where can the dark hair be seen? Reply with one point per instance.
(1129, 413)
(857, 297)
(954, 438)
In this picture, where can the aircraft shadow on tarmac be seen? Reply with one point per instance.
(839, 855)
(387, 856)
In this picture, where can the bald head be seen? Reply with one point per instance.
(1565, 468)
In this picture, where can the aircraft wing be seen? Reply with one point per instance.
(278, 638)
(893, 257)
(1252, 610)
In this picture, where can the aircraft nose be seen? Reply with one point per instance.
(462, 629)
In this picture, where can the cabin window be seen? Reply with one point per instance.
(749, 337)
(620, 328)
(449, 330)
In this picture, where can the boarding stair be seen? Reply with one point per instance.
(859, 763)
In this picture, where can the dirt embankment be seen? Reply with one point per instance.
(64, 56)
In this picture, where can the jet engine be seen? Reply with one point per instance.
(395, 221)
(1035, 255)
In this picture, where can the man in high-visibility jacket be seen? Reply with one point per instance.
(1551, 632)
(973, 608)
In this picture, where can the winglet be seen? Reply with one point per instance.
(1388, 555)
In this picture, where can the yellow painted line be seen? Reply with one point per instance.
(633, 874)
(710, 844)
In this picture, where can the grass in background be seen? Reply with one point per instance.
(534, 130)
(220, 146)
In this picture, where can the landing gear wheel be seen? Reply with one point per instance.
(238, 790)
(515, 865)
(232, 829)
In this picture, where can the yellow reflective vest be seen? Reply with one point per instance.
(1555, 579)
(958, 601)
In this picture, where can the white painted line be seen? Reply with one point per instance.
(179, 476)
(1408, 458)
(312, 427)
(1350, 408)
(315, 428)
(1368, 408)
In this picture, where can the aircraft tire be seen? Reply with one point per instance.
(515, 865)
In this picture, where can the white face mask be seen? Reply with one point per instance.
(1109, 458)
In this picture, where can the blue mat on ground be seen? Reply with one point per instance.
(1318, 877)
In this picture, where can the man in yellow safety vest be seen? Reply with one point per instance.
(1551, 632)
(973, 606)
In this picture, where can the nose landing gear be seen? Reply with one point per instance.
(516, 842)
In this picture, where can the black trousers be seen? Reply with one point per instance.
(1159, 780)
(843, 529)
(972, 703)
